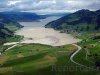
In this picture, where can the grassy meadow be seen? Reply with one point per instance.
(38, 59)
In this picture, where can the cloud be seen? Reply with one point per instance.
(48, 5)
(13, 2)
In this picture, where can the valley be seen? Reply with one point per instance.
(36, 50)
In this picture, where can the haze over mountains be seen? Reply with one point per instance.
(21, 16)
(79, 20)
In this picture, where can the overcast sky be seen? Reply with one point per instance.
(48, 6)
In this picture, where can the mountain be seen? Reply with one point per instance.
(9, 22)
(57, 14)
(81, 20)
(22, 16)
(4, 33)
(7, 27)
(5, 20)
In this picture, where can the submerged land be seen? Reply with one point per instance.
(35, 32)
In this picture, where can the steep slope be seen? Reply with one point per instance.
(98, 19)
(80, 20)
(6, 21)
(4, 33)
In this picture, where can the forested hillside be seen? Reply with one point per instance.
(82, 20)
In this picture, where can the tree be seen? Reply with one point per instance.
(87, 28)
(98, 22)
(81, 29)
(97, 63)
(77, 28)
(97, 27)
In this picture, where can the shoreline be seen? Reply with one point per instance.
(35, 32)
(42, 35)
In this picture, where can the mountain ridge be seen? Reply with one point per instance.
(22, 16)
(78, 18)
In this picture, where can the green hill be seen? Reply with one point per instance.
(4, 33)
(6, 21)
(82, 20)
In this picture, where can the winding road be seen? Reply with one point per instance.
(73, 55)
(10, 48)
(71, 58)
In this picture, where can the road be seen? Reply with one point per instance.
(10, 47)
(72, 56)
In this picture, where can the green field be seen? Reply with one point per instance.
(32, 58)
(14, 38)
(90, 52)
(11, 27)
(38, 59)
